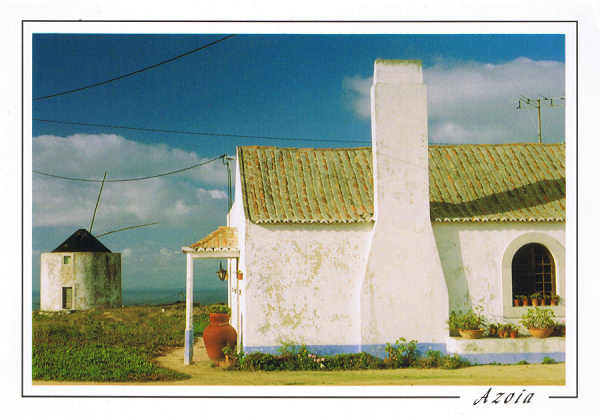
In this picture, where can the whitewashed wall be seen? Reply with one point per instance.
(302, 283)
(476, 259)
(237, 219)
(404, 292)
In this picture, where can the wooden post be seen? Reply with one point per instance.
(189, 311)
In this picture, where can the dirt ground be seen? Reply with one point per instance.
(203, 373)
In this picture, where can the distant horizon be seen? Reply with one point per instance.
(158, 296)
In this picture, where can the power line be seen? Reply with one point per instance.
(191, 132)
(62, 93)
(130, 179)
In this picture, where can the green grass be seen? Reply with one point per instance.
(112, 345)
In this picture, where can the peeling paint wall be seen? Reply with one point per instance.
(472, 257)
(95, 278)
(302, 283)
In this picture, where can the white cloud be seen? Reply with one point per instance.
(201, 193)
(90, 155)
(167, 252)
(358, 90)
(173, 200)
(473, 102)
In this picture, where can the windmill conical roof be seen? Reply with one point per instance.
(81, 241)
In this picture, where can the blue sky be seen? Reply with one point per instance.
(293, 86)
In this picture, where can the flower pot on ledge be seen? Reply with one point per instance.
(541, 333)
(471, 333)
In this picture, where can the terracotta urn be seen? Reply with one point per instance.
(541, 333)
(217, 335)
(471, 334)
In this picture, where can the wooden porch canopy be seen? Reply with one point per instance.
(221, 243)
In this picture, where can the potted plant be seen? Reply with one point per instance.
(546, 299)
(514, 332)
(492, 330)
(219, 332)
(539, 321)
(516, 300)
(524, 300)
(555, 300)
(471, 324)
(535, 298)
(501, 330)
(506, 329)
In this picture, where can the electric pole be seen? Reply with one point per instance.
(537, 103)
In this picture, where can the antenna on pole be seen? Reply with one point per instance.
(537, 103)
(97, 202)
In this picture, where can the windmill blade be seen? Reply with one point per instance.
(97, 202)
(126, 228)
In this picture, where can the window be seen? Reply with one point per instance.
(533, 271)
(66, 260)
(67, 298)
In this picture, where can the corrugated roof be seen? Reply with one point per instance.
(81, 241)
(223, 239)
(469, 183)
(289, 185)
(516, 182)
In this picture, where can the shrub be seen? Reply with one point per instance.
(219, 308)
(538, 318)
(454, 362)
(432, 359)
(402, 354)
(548, 360)
(292, 357)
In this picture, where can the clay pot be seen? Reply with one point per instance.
(541, 333)
(217, 335)
(535, 301)
(471, 334)
(513, 334)
(501, 333)
(554, 302)
(516, 302)
(525, 302)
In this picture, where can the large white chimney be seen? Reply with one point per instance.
(404, 293)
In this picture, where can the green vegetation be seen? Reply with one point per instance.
(548, 360)
(471, 320)
(219, 308)
(292, 357)
(110, 344)
(538, 318)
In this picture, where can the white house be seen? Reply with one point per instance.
(347, 249)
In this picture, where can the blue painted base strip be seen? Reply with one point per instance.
(375, 350)
(530, 357)
(189, 347)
